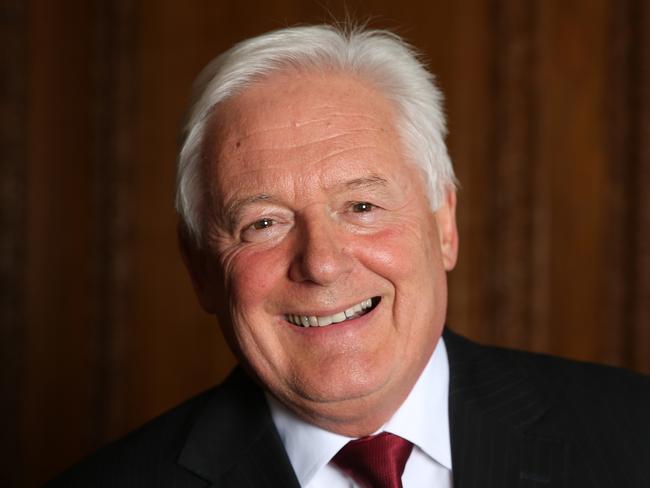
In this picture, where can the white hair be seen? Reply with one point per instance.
(378, 56)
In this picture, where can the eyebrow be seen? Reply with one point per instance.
(371, 181)
(232, 210)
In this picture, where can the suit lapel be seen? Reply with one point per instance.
(234, 442)
(493, 413)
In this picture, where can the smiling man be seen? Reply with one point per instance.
(321, 227)
(317, 206)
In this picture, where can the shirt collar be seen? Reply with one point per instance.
(422, 419)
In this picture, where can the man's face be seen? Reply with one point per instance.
(319, 218)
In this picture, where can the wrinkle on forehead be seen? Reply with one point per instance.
(265, 137)
(336, 114)
(315, 141)
(251, 173)
(339, 152)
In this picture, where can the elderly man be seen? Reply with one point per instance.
(317, 211)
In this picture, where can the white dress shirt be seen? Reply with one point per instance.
(422, 419)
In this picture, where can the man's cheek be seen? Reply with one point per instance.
(389, 253)
(253, 278)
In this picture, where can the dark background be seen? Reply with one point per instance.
(549, 112)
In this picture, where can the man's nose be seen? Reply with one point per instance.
(320, 254)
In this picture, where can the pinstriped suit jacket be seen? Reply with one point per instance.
(517, 420)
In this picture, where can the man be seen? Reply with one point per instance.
(317, 211)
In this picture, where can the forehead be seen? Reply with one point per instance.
(286, 99)
(324, 125)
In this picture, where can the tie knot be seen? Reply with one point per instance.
(375, 461)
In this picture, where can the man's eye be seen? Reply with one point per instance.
(264, 229)
(360, 207)
(262, 224)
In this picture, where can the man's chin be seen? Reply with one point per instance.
(354, 415)
(346, 378)
(338, 393)
(345, 408)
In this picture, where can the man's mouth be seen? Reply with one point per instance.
(353, 312)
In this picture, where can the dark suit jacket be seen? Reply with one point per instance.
(517, 420)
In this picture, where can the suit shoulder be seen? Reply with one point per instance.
(593, 417)
(583, 389)
(582, 379)
(148, 455)
(603, 404)
(556, 374)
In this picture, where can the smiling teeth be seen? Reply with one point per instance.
(315, 321)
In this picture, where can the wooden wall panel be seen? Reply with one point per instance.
(549, 116)
(14, 61)
(512, 155)
(572, 147)
(175, 349)
(468, 86)
(626, 238)
(641, 248)
(58, 372)
(112, 115)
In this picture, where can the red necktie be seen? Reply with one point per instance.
(375, 461)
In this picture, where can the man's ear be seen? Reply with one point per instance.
(200, 268)
(447, 230)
